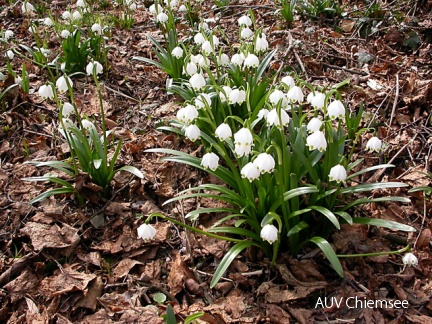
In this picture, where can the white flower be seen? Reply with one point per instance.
(250, 172)
(374, 144)
(318, 100)
(177, 52)
(269, 233)
(210, 160)
(195, 58)
(48, 22)
(337, 173)
(172, 3)
(190, 68)
(223, 59)
(197, 81)
(278, 120)
(67, 123)
(261, 44)
(32, 29)
(336, 109)
(76, 15)
(97, 29)
(182, 8)
(215, 41)
(187, 114)
(146, 232)
(314, 125)
(133, 6)
(263, 113)
(199, 39)
(295, 94)
(265, 163)
(224, 95)
(64, 33)
(288, 81)
(203, 25)
(276, 96)
(62, 84)
(162, 17)
(203, 61)
(87, 124)
(81, 3)
(67, 110)
(244, 21)
(155, 10)
(202, 101)
(243, 140)
(223, 132)
(410, 260)
(246, 33)
(251, 61)
(192, 132)
(237, 97)
(10, 54)
(46, 91)
(8, 34)
(94, 65)
(206, 47)
(45, 52)
(66, 15)
(27, 7)
(237, 59)
(316, 141)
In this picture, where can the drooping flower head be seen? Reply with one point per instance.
(210, 160)
(243, 140)
(265, 163)
(250, 172)
(336, 110)
(223, 132)
(269, 233)
(410, 259)
(316, 141)
(374, 144)
(337, 173)
(146, 232)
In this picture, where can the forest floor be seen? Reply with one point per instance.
(61, 262)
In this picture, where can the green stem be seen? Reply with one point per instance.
(405, 249)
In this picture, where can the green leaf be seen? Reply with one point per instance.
(300, 226)
(384, 223)
(361, 201)
(193, 317)
(372, 186)
(50, 193)
(347, 217)
(159, 298)
(327, 213)
(228, 259)
(170, 316)
(376, 167)
(235, 230)
(131, 169)
(329, 253)
(421, 188)
(197, 212)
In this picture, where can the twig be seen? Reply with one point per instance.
(395, 101)
(121, 93)
(285, 54)
(335, 67)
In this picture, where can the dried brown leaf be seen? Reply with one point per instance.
(179, 273)
(124, 267)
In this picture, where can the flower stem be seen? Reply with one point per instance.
(405, 249)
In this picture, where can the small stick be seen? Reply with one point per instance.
(395, 101)
(335, 67)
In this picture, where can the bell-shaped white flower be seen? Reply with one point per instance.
(276, 96)
(316, 141)
(243, 140)
(245, 21)
(203, 61)
(197, 81)
(97, 29)
(202, 101)
(155, 10)
(10, 54)
(32, 29)
(318, 100)
(177, 52)
(215, 40)
(62, 84)
(192, 132)
(237, 96)
(94, 65)
(410, 259)
(65, 33)
(279, 120)
(251, 60)
(66, 15)
(223, 59)
(162, 17)
(338, 173)
(269, 233)
(27, 7)
(288, 81)
(223, 132)
(250, 172)
(67, 110)
(146, 232)
(374, 144)
(46, 92)
(76, 15)
(295, 94)
(133, 6)
(81, 4)
(224, 95)
(182, 8)
(246, 33)
(187, 114)
(45, 52)
(314, 125)
(87, 124)
(199, 39)
(207, 47)
(67, 123)
(210, 160)
(237, 59)
(48, 22)
(8, 34)
(263, 113)
(265, 163)
(336, 110)
(261, 44)
(190, 68)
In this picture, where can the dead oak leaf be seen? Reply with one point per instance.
(178, 275)
(26, 283)
(124, 267)
(91, 295)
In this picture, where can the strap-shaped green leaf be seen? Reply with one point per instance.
(384, 223)
(372, 186)
(327, 213)
(329, 253)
